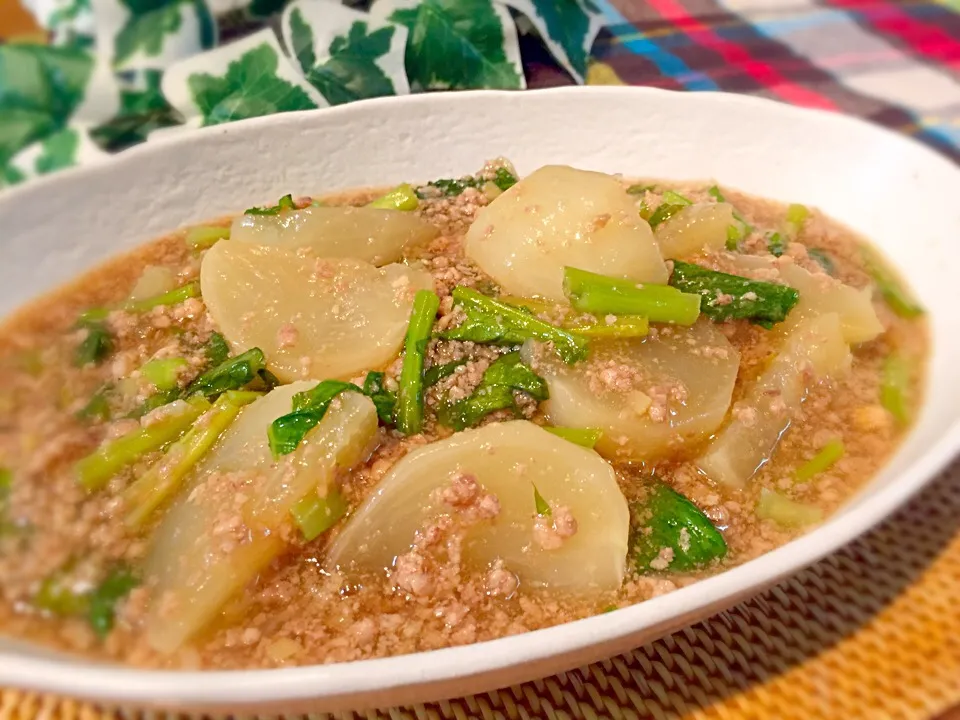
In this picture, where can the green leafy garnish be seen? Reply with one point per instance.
(97, 408)
(488, 320)
(503, 179)
(102, 601)
(97, 344)
(439, 372)
(602, 295)
(748, 299)
(384, 400)
(409, 410)
(735, 233)
(585, 437)
(640, 189)
(776, 244)
(309, 407)
(821, 462)
(822, 259)
(284, 203)
(495, 392)
(158, 399)
(542, 506)
(217, 350)
(232, 374)
(666, 519)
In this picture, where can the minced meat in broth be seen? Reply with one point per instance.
(78, 573)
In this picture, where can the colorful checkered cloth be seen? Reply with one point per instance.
(895, 63)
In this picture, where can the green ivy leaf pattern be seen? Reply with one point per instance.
(42, 88)
(153, 33)
(358, 58)
(62, 149)
(245, 79)
(568, 28)
(457, 43)
(143, 110)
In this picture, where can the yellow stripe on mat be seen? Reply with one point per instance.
(871, 632)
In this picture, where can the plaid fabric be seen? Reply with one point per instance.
(895, 63)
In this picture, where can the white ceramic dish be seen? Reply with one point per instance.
(895, 191)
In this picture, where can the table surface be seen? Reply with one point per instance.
(871, 631)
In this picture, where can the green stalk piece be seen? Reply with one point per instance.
(625, 326)
(409, 410)
(204, 237)
(314, 515)
(490, 320)
(96, 469)
(585, 437)
(163, 373)
(895, 388)
(724, 296)
(171, 297)
(786, 512)
(825, 458)
(605, 295)
(666, 519)
(891, 289)
(159, 483)
(102, 603)
(403, 197)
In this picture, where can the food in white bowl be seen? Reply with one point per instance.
(358, 425)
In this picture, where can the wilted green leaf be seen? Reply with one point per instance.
(459, 44)
(143, 109)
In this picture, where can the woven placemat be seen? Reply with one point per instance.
(872, 631)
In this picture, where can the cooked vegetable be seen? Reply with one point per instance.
(203, 237)
(439, 372)
(585, 437)
(624, 326)
(384, 400)
(402, 197)
(172, 297)
(372, 234)
(95, 346)
(54, 596)
(155, 280)
(232, 374)
(691, 370)
(95, 470)
(495, 392)
(776, 244)
(796, 216)
(217, 350)
(724, 296)
(814, 350)
(672, 534)
(164, 373)
(409, 409)
(823, 259)
(284, 203)
(541, 506)
(894, 293)
(490, 320)
(196, 572)
(695, 228)
(825, 458)
(103, 599)
(309, 407)
(739, 229)
(97, 408)
(671, 204)
(591, 561)
(331, 318)
(162, 480)
(640, 189)
(158, 399)
(786, 512)
(602, 294)
(503, 179)
(895, 388)
(556, 217)
(315, 515)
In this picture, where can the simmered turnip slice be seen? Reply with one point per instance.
(370, 234)
(649, 396)
(231, 524)
(508, 460)
(313, 318)
(695, 228)
(560, 216)
(813, 351)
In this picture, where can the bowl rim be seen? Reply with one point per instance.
(78, 677)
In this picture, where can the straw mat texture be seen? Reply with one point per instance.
(870, 632)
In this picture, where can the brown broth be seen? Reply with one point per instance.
(295, 613)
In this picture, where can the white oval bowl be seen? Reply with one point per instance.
(895, 191)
